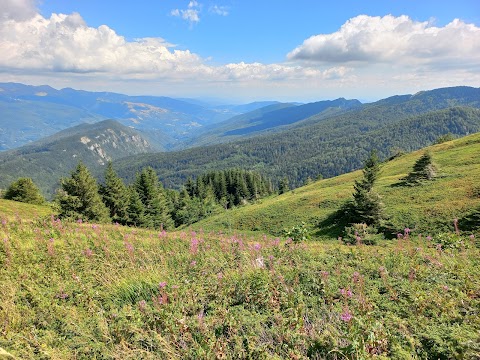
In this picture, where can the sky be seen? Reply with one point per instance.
(242, 50)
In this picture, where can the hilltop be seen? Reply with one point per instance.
(431, 207)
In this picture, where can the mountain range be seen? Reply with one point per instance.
(282, 140)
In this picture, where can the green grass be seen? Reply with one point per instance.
(430, 207)
(14, 209)
(85, 291)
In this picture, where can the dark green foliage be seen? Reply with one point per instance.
(135, 208)
(367, 207)
(115, 196)
(283, 186)
(231, 187)
(79, 197)
(154, 200)
(444, 138)
(24, 190)
(423, 170)
(330, 146)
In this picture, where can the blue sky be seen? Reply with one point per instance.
(240, 49)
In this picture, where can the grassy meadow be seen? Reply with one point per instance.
(87, 291)
(90, 291)
(431, 207)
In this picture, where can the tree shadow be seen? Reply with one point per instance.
(334, 224)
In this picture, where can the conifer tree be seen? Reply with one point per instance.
(423, 170)
(367, 207)
(24, 190)
(115, 195)
(283, 186)
(154, 200)
(79, 198)
(135, 209)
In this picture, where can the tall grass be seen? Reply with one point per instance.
(85, 291)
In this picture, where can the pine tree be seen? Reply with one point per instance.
(24, 190)
(283, 186)
(367, 207)
(423, 170)
(79, 197)
(154, 200)
(135, 209)
(115, 195)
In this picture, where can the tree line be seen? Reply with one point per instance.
(145, 202)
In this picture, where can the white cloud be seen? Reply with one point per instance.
(64, 51)
(191, 14)
(17, 9)
(396, 40)
(219, 10)
(66, 44)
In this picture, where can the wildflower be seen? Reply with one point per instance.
(129, 247)
(472, 237)
(142, 304)
(356, 277)
(88, 253)
(406, 231)
(193, 263)
(219, 276)
(257, 247)
(194, 246)
(162, 284)
(346, 292)
(429, 238)
(439, 247)
(399, 236)
(324, 274)
(445, 287)
(79, 221)
(346, 315)
(359, 239)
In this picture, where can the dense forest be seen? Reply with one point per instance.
(328, 148)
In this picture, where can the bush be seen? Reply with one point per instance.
(24, 190)
(298, 233)
(361, 234)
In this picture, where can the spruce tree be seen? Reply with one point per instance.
(79, 198)
(115, 195)
(135, 209)
(154, 200)
(367, 207)
(423, 170)
(24, 190)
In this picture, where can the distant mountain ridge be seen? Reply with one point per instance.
(48, 159)
(279, 140)
(31, 112)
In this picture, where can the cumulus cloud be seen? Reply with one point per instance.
(392, 39)
(191, 14)
(17, 9)
(66, 44)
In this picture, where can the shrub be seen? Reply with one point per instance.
(298, 232)
(24, 190)
(361, 234)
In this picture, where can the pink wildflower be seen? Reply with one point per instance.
(162, 284)
(346, 315)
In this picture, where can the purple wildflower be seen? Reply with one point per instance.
(162, 284)
(346, 315)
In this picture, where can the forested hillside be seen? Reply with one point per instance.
(49, 159)
(330, 147)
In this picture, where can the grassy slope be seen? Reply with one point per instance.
(427, 207)
(83, 291)
(10, 210)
